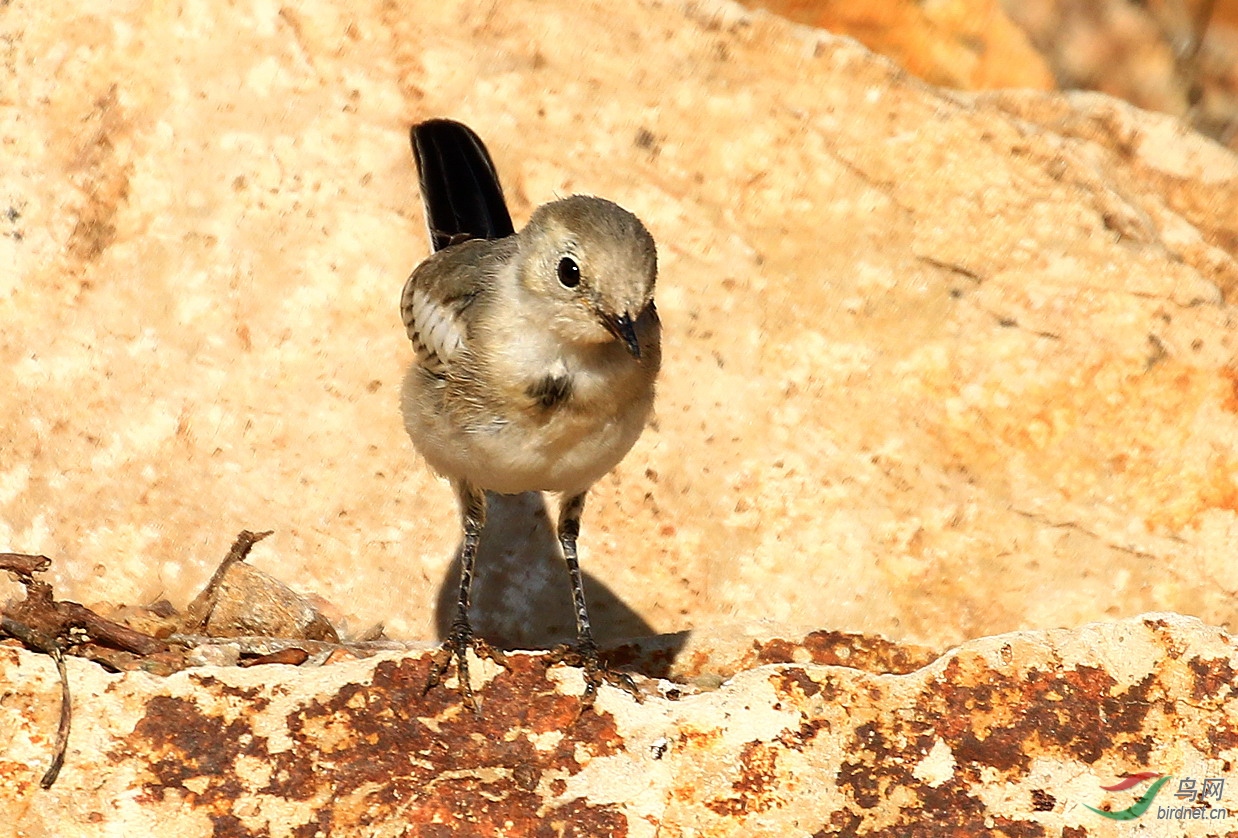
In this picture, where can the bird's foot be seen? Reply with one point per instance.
(456, 647)
(585, 655)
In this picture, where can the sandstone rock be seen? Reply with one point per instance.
(970, 44)
(251, 602)
(1009, 736)
(939, 365)
(1161, 55)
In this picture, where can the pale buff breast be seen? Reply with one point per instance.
(561, 449)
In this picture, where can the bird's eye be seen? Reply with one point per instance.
(569, 272)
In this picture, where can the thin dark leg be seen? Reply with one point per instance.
(569, 530)
(458, 643)
(586, 652)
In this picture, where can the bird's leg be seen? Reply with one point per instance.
(585, 653)
(460, 640)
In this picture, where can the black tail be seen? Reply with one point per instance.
(459, 185)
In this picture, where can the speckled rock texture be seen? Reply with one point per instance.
(938, 365)
(1008, 736)
(970, 44)
(1175, 57)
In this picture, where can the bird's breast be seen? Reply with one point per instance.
(530, 414)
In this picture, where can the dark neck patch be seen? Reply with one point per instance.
(551, 390)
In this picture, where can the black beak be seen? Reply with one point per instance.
(623, 328)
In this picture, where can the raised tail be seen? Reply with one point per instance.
(459, 185)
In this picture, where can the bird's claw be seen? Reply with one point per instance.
(456, 647)
(585, 656)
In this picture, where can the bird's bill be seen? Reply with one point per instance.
(624, 329)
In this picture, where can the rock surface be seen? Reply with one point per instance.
(1177, 58)
(1009, 736)
(939, 365)
(969, 44)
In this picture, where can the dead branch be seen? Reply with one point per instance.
(200, 609)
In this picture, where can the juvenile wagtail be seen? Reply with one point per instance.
(536, 355)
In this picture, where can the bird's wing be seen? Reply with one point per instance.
(446, 294)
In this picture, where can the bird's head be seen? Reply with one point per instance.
(594, 265)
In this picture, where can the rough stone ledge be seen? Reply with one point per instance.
(1006, 735)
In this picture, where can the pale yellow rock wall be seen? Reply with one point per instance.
(937, 366)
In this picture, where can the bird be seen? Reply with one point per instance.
(535, 360)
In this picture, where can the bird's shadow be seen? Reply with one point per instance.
(522, 594)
